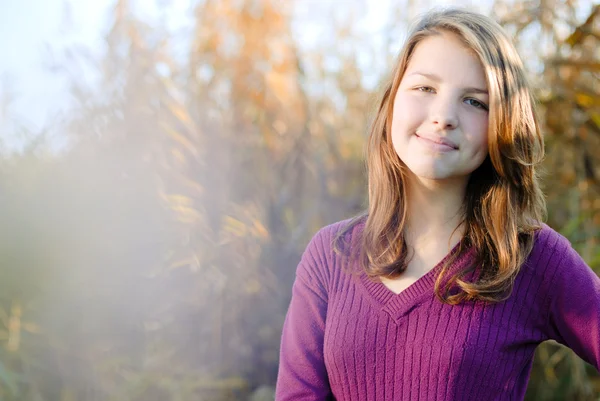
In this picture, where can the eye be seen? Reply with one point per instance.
(427, 89)
(476, 103)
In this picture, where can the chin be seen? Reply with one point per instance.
(435, 173)
(432, 171)
(429, 174)
(434, 177)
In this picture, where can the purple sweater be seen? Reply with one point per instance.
(346, 337)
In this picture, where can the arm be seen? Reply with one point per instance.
(574, 315)
(302, 374)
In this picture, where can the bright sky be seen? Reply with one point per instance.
(32, 34)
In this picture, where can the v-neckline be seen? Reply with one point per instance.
(398, 305)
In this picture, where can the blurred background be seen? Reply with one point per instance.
(164, 163)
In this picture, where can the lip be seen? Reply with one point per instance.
(438, 141)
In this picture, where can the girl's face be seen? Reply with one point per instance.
(440, 115)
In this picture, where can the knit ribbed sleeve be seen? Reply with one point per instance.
(574, 312)
(302, 374)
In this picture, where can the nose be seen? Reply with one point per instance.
(444, 113)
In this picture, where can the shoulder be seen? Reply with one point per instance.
(550, 255)
(347, 230)
(572, 296)
(319, 257)
(550, 248)
(558, 265)
(546, 236)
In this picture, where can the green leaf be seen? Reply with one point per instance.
(572, 226)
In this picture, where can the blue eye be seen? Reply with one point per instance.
(476, 103)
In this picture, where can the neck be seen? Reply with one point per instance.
(434, 210)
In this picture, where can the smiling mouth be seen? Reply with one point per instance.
(438, 142)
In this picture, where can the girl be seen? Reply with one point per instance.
(443, 289)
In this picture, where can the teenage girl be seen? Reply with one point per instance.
(445, 286)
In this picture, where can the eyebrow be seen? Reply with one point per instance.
(434, 77)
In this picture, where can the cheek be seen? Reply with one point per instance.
(478, 136)
(406, 113)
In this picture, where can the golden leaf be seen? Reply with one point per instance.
(234, 226)
(585, 100)
(178, 200)
(259, 229)
(181, 114)
(181, 139)
(186, 214)
(596, 119)
(181, 263)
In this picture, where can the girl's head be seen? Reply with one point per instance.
(458, 81)
(457, 107)
(439, 120)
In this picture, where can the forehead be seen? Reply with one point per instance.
(446, 56)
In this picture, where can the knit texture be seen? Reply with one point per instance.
(347, 337)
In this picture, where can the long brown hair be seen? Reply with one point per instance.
(503, 205)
